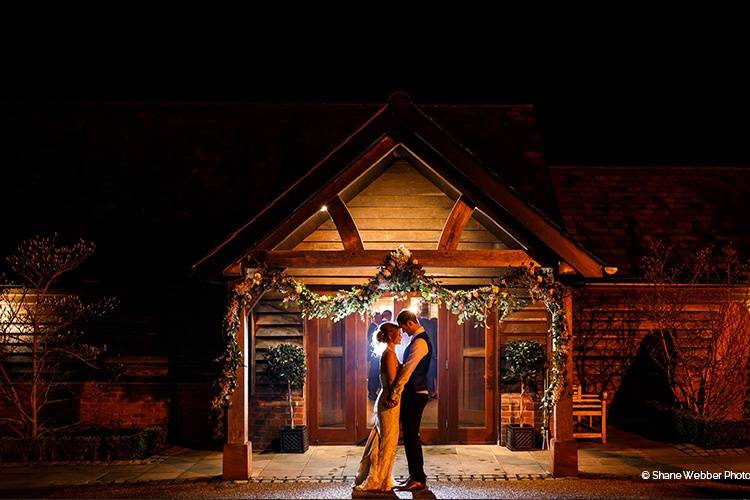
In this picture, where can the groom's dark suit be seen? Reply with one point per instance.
(417, 358)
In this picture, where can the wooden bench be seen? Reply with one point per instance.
(590, 405)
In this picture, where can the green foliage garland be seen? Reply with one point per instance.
(400, 274)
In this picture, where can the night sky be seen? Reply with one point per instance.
(681, 100)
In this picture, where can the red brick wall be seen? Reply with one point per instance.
(113, 406)
(510, 404)
(123, 405)
(268, 416)
(189, 422)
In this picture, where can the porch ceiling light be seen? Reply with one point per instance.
(610, 270)
(324, 208)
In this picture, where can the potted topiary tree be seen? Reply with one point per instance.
(286, 367)
(524, 360)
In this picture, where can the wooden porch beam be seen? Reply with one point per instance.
(346, 258)
(345, 224)
(234, 270)
(330, 189)
(455, 224)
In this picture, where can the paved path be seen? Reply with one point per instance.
(625, 456)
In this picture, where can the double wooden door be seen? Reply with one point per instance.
(462, 378)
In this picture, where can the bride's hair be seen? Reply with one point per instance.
(387, 332)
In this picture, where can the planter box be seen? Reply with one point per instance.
(294, 440)
(519, 438)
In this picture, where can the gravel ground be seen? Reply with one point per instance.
(561, 488)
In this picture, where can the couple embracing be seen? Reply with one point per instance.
(402, 398)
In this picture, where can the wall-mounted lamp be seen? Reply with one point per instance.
(610, 270)
(324, 208)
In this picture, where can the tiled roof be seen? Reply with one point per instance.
(183, 176)
(614, 211)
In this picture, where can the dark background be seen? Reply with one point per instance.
(681, 102)
(627, 97)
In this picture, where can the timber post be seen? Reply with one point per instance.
(237, 461)
(563, 446)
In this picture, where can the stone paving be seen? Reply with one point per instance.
(626, 455)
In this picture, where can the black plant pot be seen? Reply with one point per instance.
(294, 440)
(519, 438)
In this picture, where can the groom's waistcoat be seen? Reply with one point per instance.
(418, 380)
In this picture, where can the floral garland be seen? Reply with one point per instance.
(401, 273)
(543, 287)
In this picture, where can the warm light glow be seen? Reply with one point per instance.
(566, 268)
(383, 304)
(10, 321)
(324, 208)
(610, 270)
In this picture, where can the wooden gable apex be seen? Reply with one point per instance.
(399, 123)
(398, 201)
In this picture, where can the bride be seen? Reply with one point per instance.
(376, 467)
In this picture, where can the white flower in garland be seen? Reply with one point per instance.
(404, 252)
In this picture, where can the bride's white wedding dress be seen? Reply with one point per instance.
(376, 467)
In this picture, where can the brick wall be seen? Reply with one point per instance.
(124, 405)
(268, 416)
(189, 423)
(109, 405)
(510, 404)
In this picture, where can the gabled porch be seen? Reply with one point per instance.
(398, 180)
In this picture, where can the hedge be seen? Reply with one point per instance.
(671, 424)
(93, 444)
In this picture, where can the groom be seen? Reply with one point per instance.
(412, 381)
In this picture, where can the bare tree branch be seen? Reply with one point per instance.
(703, 328)
(50, 328)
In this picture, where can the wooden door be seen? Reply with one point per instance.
(461, 378)
(472, 360)
(332, 392)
